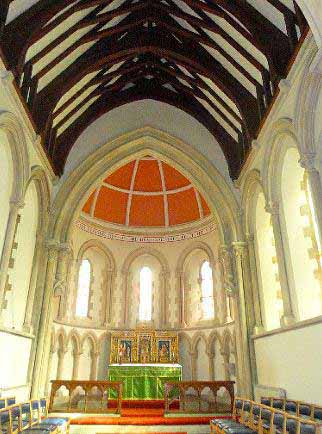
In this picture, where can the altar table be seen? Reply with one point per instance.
(144, 381)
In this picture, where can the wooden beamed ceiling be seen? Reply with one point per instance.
(218, 60)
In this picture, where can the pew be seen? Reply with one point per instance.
(31, 417)
(250, 417)
(298, 408)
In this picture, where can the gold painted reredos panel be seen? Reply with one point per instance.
(144, 346)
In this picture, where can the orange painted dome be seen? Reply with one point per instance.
(146, 192)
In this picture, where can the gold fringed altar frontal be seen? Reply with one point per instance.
(144, 347)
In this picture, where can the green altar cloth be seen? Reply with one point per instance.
(144, 381)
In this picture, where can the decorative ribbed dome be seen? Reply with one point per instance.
(146, 192)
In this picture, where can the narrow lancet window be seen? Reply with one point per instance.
(207, 299)
(145, 309)
(84, 281)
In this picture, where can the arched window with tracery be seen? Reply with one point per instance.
(84, 283)
(207, 295)
(145, 307)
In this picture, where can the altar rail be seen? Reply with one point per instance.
(198, 397)
(76, 396)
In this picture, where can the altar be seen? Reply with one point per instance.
(144, 360)
(144, 381)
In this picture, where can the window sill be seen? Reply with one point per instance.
(295, 326)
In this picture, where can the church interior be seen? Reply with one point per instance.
(160, 216)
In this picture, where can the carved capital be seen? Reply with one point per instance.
(239, 248)
(17, 203)
(272, 208)
(249, 238)
(307, 161)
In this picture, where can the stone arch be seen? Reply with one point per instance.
(284, 136)
(146, 251)
(213, 336)
(196, 245)
(313, 14)
(61, 339)
(10, 125)
(92, 338)
(110, 274)
(185, 336)
(183, 304)
(20, 157)
(101, 246)
(40, 180)
(127, 147)
(253, 183)
(74, 337)
(196, 338)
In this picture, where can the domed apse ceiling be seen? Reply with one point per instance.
(146, 192)
(219, 60)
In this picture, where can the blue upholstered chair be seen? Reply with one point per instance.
(11, 401)
(317, 414)
(5, 421)
(291, 407)
(15, 416)
(39, 430)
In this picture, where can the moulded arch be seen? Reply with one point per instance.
(187, 338)
(196, 338)
(212, 338)
(93, 340)
(313, 14)
(39, 177)
(124, 149)
(74, 338)
(284, 137)
(61, 339)
(20, 158)
(251, 188)
(145, 251)
(197, 245)
(227, 341)
(102, 247)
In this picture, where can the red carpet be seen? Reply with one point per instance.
(143, 413)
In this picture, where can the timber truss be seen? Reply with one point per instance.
(218, 60)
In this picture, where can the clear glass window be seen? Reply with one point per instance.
(207, 299)
(84, 282)
(145, 309)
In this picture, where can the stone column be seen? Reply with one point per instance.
(94, 356)
(241, 320)
(46, 319)
(193, 356)
(307, 161)
(288, 316)
(36, 267)
(163, 291)
(13, 220)
(228, 283)
(109, 297)
(211, 356)
(76, 357)
(127, 277)
(60, 285)
(225, 358)
(60, 366)
(258, 327)
(52, 352)
(181, 298)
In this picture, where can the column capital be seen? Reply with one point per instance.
(17, 202)
(272, 208)
(307, 161)
(250, 238)
(239, 248)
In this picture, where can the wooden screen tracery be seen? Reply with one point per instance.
(144, 346)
